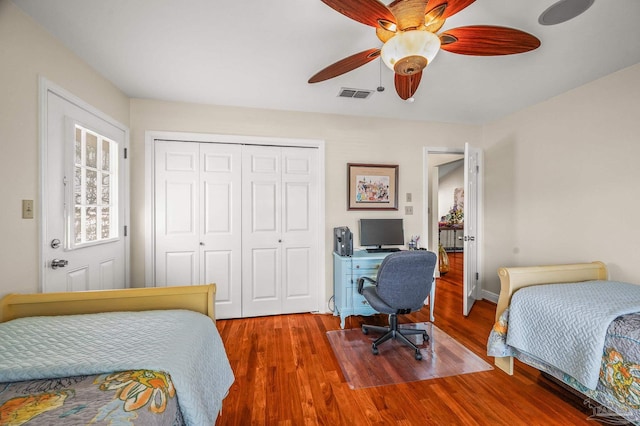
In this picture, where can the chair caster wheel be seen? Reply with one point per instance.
(374, 350)
(365, 331)
(418, 355)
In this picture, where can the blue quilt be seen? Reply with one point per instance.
(565, 325)
(618, 391)
(183, 343)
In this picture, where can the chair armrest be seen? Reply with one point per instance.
(361, 283)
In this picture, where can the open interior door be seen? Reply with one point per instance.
(472, 158)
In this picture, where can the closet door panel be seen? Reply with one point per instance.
(297, 266)
(218, 269)
(265, 214)
(300, 236)
(264, 284)
(177, 205)
(181, 267)
(261, 231)
(221, 237)
(297, 204)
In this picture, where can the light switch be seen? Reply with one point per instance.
(27, 209)
(408, 197)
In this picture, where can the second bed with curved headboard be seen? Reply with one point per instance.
(572, 323)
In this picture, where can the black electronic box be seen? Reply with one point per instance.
(343, 241)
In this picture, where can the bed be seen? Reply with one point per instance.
(135, 356)
(595, 350)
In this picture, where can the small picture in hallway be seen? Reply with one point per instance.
(372, 186)
(458, 198)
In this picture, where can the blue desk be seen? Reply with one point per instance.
(346, 271)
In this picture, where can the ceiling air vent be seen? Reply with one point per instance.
(354, 93)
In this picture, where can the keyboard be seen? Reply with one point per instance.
(383, 250)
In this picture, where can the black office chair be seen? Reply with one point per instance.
(403, 283)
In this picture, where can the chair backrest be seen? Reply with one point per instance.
(405, 278)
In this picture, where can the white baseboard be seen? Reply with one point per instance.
(492, 297)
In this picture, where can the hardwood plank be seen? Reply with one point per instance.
(287, 374)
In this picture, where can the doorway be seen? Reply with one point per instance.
(448, 174)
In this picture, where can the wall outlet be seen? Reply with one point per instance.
(27, 209)
(408, 210)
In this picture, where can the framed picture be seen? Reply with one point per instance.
(372, 186)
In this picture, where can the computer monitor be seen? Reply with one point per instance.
(381, 232)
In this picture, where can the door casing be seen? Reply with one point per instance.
(149, 227)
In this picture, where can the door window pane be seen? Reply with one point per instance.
(106, 159)
(94, 196)
(91, 149)
(91, 187)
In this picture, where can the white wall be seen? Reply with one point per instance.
(562, 181)
(347, 140)
(27, 52)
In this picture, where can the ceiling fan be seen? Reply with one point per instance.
(408, 30)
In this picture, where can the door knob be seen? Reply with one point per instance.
(59, 263)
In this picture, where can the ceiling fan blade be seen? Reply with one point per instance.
(345, 65)
(452, 6)
(487, 40)
(368, 12)
(406, 85)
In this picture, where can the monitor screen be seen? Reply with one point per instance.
(381, 232)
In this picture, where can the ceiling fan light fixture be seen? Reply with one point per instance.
(409, 52)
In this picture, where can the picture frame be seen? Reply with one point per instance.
(372, 186)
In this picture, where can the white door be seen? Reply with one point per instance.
(471, 174)
(177, 188)
(280, 242)
(300, 214)
(197, 219)
(221, 225)
(84, 187)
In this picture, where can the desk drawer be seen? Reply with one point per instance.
(360, 305)
(366, 263)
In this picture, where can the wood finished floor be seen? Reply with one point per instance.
(286, 374)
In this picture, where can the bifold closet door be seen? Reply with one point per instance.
(279, 231)
(197, 219)
(221, 235)
(177, 213)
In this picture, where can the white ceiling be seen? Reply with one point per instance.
(258, 53)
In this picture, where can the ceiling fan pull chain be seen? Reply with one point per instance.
(380, 86)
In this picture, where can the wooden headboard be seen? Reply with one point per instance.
(198, 298)
(512, 279)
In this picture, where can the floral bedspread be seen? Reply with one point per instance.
(618, 387)
(140, 397)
